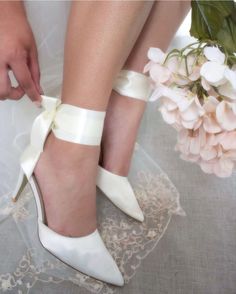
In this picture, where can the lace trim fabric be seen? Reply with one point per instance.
(128, 241)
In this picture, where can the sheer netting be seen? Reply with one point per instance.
(128, 240)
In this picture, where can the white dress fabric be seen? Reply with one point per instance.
(128, 240)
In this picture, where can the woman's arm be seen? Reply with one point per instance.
(18, 53)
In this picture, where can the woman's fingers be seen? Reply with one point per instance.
(23, 76)
(16, 46)
(16, 93)
(34, 69)
(5, 85)
(6, 90)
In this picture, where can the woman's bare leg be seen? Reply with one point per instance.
(118, 141)
(99, 38)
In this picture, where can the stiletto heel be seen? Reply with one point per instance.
(117, 188)
(21, 183)
(86, 254)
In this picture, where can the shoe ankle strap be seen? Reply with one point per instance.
(78, 125)
(133, 84)
(68, 122)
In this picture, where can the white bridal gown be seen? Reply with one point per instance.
(128, 240)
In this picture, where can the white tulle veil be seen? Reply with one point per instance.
(128, 241)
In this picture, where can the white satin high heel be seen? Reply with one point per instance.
(117, 188)
(86, 254)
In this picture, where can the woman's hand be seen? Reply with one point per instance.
(18, 53)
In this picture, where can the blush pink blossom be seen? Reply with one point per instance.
(197, 95)
(208, 151)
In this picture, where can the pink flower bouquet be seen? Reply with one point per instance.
(196, 87)
(197, 91)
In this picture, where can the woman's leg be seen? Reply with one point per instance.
(99, 38)
(118, 141)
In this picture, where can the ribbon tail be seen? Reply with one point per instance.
(39, 132)
(29, 159)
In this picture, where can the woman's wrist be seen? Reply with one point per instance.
(10, 9)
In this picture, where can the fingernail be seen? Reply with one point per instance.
(41, 90)
(37, 103)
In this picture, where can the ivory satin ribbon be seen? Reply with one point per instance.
(133, 84)
(68, 122)
(75, 124)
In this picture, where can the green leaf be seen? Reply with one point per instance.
(208, 17)
(227, 34)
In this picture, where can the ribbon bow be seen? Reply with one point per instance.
(42, 125)
(133, 84)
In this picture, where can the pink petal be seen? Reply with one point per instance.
(219, 151)
(189, 124)
(172, 64)
(184, 103)
(168, 116)
(213, 72)
(225, 116)
(156, 55)
(195, 75)
(205, 84)
(228, 91)
(233, 106)
(208, 153)
(181, 80)
(194, 146)
(157, 93)
(175, 94)
(210, 104)
(214, 54)
(169, 104)
(211, 140)
(231, 77)
(177, 126)
(212, 92)
(159, 73)
(228, 140)
(230, 154)
(191, 61)
(147, 67)
(199, 106)
(182, 68)
(211, 125)
(224, 168)
(207, 167)
(191, 113)
(202, 136)
(197, 124)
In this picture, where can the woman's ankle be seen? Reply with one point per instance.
(63, 154)
(122, 121)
